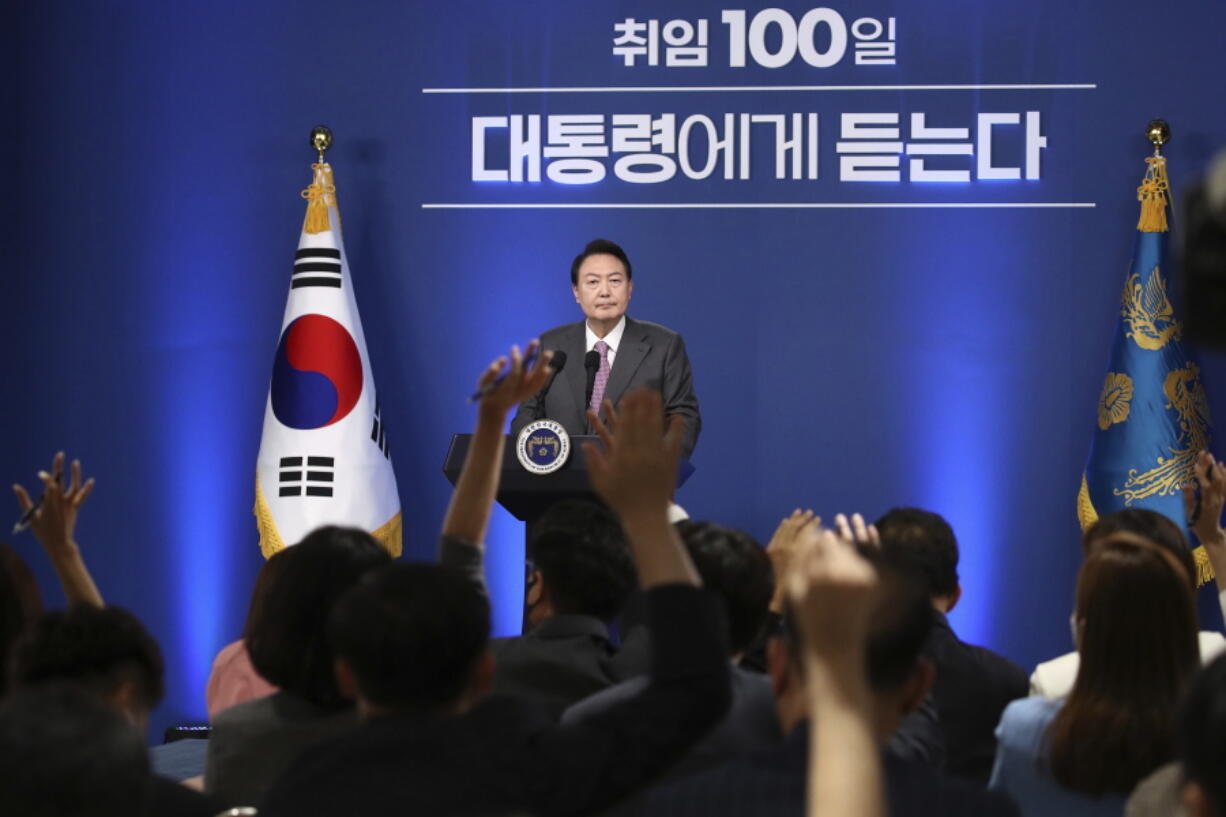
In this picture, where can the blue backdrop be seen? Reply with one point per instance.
(846, 358)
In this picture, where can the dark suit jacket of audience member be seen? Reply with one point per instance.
(563, 660)
(752, 723)
(252, 743)
(972, 687)
(510, 755)
(771, 783)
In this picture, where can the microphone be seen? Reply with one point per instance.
(591, 362)
(557, 363)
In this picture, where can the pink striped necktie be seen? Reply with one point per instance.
(602, 376)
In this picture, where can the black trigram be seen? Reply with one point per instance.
(317, 267)
(378, 432)
(316, 478)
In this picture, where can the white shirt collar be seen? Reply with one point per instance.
(614, 338)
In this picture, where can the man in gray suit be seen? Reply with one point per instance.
(628, 353)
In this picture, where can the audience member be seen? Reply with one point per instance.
(1135, 625)
(773, 781)
(736, 567)
(412, 640)
(1200, 742)
(54, 524)
(21, 604)
(233, 679)
(1054, 679)
(580, 575)
(253, 742)
(973, 684)
(108, 653)
(64, 753)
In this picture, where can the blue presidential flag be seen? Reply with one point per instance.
(1153, 418)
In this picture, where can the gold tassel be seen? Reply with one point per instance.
(1204, 569)
(391, 534)
(1086, 514)
(1153, 195)
(320, 196)
(270, 537)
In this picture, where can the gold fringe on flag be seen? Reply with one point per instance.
(1204, 570)
(1153, 194)
(1086, 515)
(320, 196)
(390, 534)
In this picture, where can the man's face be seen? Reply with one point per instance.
(603, 290)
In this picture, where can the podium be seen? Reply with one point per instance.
(526, 495)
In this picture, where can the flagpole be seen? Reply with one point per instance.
(321, 139)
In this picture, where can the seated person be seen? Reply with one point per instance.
(1054, 679)
(65, 752)
(108, 652)
(1135, 623)
(581, 574)
(772, 781)
(233, 678)
(736, 567)
(412, 643)
(973, 684)
(1200, 742)
(253, 742)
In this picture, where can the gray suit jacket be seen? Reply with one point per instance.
(648, 355)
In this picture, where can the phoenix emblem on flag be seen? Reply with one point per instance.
(1187, 397)
(1148, 311)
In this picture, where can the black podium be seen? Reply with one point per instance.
(527, 495)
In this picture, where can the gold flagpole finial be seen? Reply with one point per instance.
(321, 140)
(1158, 133)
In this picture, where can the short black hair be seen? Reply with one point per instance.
(582, 554)
(96, 647)
(899, 625)
(286, 634)
(599, 246)
(412, 634)
(21, 605)
(1147, 524)
(923, 542)
(736, 567)
(1200, 739)
(64, 751)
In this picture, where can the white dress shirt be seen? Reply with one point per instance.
(614, 338)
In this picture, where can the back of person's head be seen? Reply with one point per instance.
(898, 627)
(736, 567)
(21, 604)
(411, 635)
(104, 649)
(583, 558)
(599, 246)
(1201, 740)
(1147, 524)
(922, 542)
(1136, 626)
(266, 579)
(286, 636)
(64, 752)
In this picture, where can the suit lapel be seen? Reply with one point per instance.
(634, 347)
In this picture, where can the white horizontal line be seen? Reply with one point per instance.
(800, 205)
(666, 89)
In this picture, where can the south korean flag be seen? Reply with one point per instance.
(320, 463)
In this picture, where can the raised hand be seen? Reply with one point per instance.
(856, 531)
(637, 469)
(1203, 502)
(54, 525)
(520, 383)
(786, 545)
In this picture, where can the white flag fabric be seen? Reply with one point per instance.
(323, 457)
